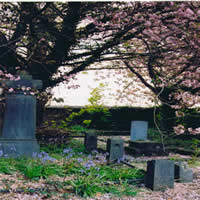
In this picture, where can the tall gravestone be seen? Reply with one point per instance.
(18, 133)
(139, 130)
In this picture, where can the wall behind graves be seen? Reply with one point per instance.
(120, 119)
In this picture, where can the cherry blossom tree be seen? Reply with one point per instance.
(160, 38)
(165, 55)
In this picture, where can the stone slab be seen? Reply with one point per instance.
(19, 117)
(139, 130)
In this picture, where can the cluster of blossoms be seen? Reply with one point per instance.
(180, 129)
(4, 76)
(43, 156)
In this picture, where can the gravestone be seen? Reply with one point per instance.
(160, 174)
(18, 134)
(139, 130)
(139, 145)
(182, 173)
(115, 149)
(90, 141)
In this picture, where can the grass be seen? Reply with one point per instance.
(77, 172)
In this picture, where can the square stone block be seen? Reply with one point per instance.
(160, 175)
(182, 173)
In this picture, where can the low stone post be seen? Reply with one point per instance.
(160, 175)
(90, 141)
(115, 149)
(18, 134)
(183, 173)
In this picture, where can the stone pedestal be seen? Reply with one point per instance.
(18, 134)
(147, 148)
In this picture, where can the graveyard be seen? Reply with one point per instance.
(80, 163)
(99, 151)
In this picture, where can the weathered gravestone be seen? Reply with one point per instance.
(115, 149)
(139, 130)
(182, 173)
(90, 141)
(18, 134)
(160, 174)
(139, 145)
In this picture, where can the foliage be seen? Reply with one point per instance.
(87, 116)
(91, 175)
(196, 149)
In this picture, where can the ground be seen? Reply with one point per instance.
(181, 191)
(22, 188)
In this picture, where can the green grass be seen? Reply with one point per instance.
(91, 174)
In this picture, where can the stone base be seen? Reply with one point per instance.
(147, 148)
(18, 147)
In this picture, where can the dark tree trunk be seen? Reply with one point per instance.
(167, 117)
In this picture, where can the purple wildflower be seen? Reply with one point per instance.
(80, 160)
(68, 150)
(1, 153)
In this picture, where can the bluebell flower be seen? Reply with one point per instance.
(82, 171)
(97, 168)
(1, 153)
(89, 164)
(48, 158)
(44, 153)
(68, 150)
(80, 160)
(34, 154)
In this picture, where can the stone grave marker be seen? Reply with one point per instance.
(139, 130)
(182, 173)
(139, 144)
(18, 134)
(160, 175)
(90, 141)
(115, 149)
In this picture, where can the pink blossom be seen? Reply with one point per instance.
(11, 90)
(179, 114)
(194, 131)
(17, 79)
(23, 88)
(180, 129)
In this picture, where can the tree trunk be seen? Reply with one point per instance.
(167, 117)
